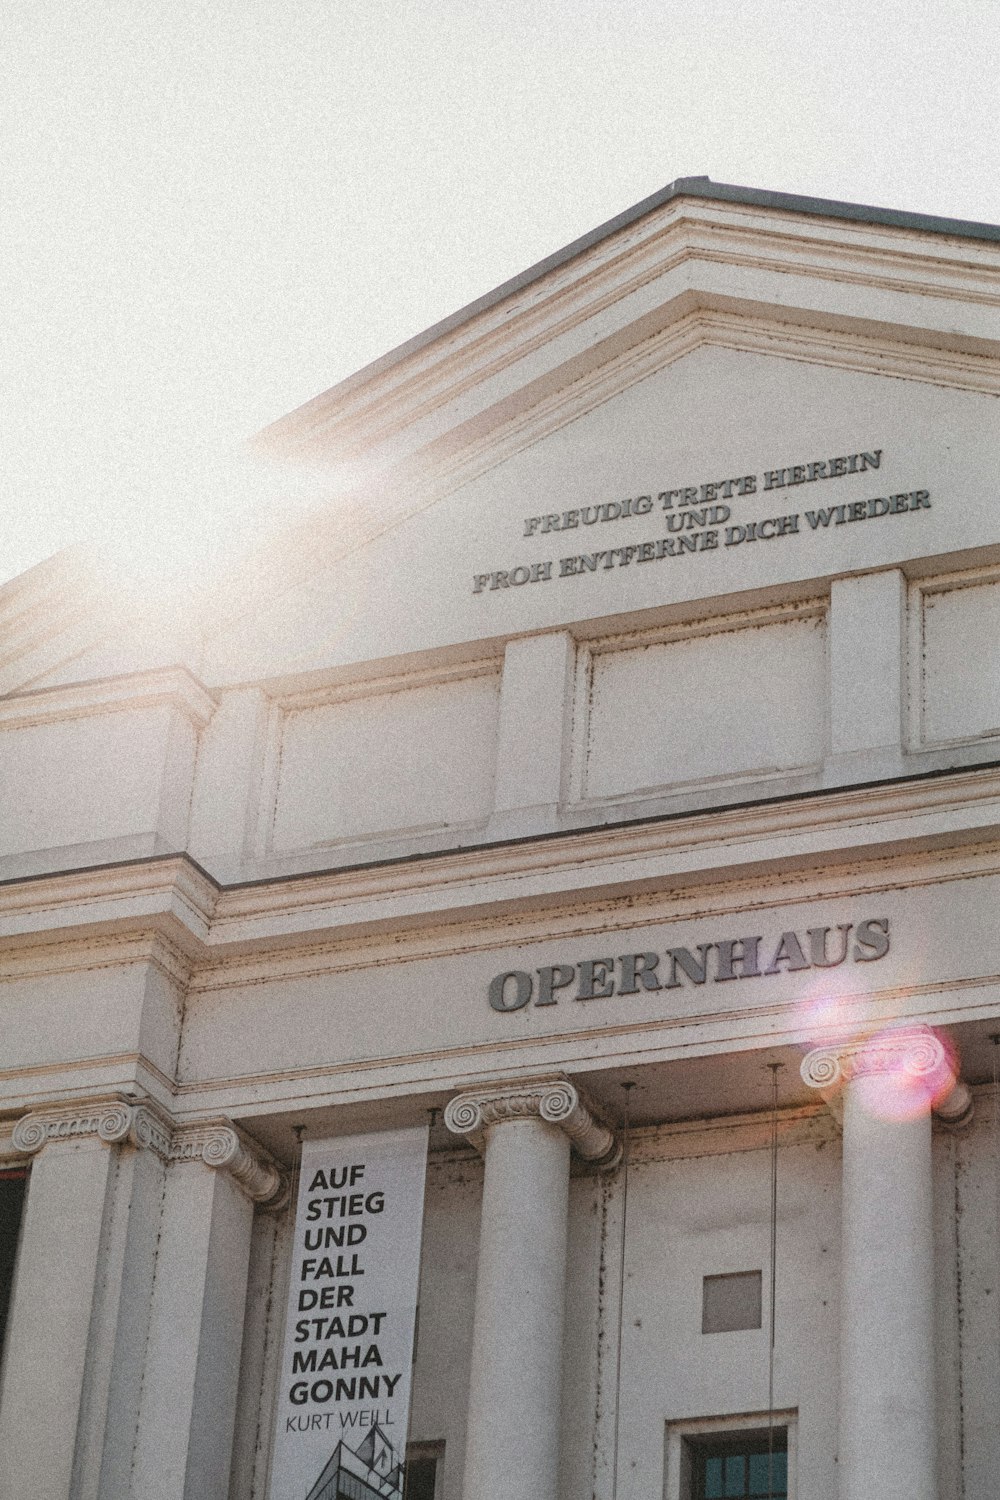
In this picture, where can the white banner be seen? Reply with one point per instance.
(344, 1394)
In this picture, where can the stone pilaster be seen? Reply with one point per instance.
(64, 1239)
(183, 1444)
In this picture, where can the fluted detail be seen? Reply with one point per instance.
(554, 1100)
(151, 1131)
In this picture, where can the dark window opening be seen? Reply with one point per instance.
(738, 1466)
(12, 1186)
(421, 1477)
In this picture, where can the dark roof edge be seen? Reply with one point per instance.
(682, 187)
(646, 820)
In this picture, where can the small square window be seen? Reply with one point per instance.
(421, 1474)
(731, 1303)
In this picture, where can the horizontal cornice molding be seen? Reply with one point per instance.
(173, 686)
(65, 955)
(950, 819)
(170, 895)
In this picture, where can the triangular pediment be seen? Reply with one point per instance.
(721, 398)
(696, 250)
(50, 617)
(70, 620)
(709, 331)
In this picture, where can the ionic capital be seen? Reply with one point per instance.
(221, 1145)
(115, 1120)
(554, 1100)
(914, 1052)
(121, 1120)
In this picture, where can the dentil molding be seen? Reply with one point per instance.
(554, 1100)
(126, 1121)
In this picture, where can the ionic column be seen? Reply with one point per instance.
(886, 1089)
(525, 1131)
(66, 1317)
(183, 1446)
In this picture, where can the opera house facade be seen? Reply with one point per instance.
(502, 1000)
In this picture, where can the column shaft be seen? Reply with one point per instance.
(118, 1333)
(47, 1341)
(515, 1387)
(184, 1443)
(887, 1398)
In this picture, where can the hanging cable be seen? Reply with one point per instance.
(628, 1087)
(775, 1070)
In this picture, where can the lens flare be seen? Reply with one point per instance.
(893, 1082)
(824, 1018)
(897, 1071)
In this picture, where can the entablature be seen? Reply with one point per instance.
(940, 818)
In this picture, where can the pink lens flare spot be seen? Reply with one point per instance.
(892, 1095)
(822, 1018)
(903, 1084)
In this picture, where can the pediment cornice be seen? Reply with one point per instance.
(173, 686)
(49, 615)
(685, 257)
(537, 413)
(459, 452)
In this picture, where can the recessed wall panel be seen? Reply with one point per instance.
(388, 761)
(83, 778)
(732, 702)
(960, 663)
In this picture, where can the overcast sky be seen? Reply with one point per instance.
(214, 209)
